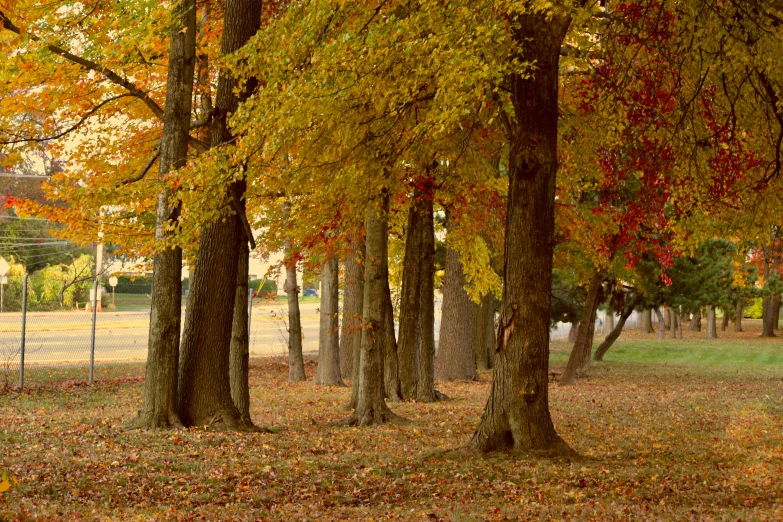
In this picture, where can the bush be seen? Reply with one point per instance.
(755, 311)
(133, 285)
(269, 286)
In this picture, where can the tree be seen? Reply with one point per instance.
(328, 372)
(205, 396)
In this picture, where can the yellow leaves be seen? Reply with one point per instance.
(5, 483)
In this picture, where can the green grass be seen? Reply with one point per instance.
(716, 353)
(131, 302)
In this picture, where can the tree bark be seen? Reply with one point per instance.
(679, 325)
(391, 375)
(425, 387)
(296, 372)
(675, 323)
(645, 321)
(489, 340)
(371, 407)
(774, 304)
(351, 338)
(328, 371)
(455, 354)
(410, 300)
(725, 321)
(573, 332)
(239, 358)
(479, 332)
(516, 417)
(661, 324)
(667, 318)
(609, 322)
(205, 394)
(696, 322)
(616, 331)
(581, 352)
(765, 303)
(739, 311)
(159, 398)
(712, 327)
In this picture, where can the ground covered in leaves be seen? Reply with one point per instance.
(667, 430)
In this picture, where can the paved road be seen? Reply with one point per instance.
(60, 337)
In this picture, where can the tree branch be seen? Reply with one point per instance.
(69, 129)
(143, 173)
(242, 217)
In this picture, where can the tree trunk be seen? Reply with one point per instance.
(455, 354)
(410, 300)
(616, 331)
(774, 304)
(739, 311)
(712, 327)
(296, 372)
(679, 325)
(609, 322)
(581, 352)
(573, 332)
(159, 398)
(667, 318)
(675, 323)
(239, 358)
(661, 324)
(205, 394)
(725, 321)
(765, 302)
(696, 321)
(391, 375)
(425, 387)
(479, 332)
(328, 371)
(351, 338)
(645, 321)
(371, 407)
(517, 416)
(489, 340)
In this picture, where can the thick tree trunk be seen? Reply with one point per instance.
(205, 394)
(616, 331)
(296, 372)
(725, 320)
(425, 387)
(712, 327)
(455, 354)
(765, 302)
(517, 416)
(479, 332)
(351, 338)
(573, 332)
(696, 322)
(645, 321)
(371, 407)
(239, 358)
(609, 322)
(489, 340)
(410, 300)
(581, 352)
(739, 311)
(774, 304)
(328, 371)
(391, 375)
(159, 398)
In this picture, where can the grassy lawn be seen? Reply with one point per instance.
(666, 430)
(128, 302)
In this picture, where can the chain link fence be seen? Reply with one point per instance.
(71, 342)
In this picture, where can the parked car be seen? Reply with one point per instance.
(310, 292)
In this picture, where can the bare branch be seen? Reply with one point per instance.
(69, 129)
